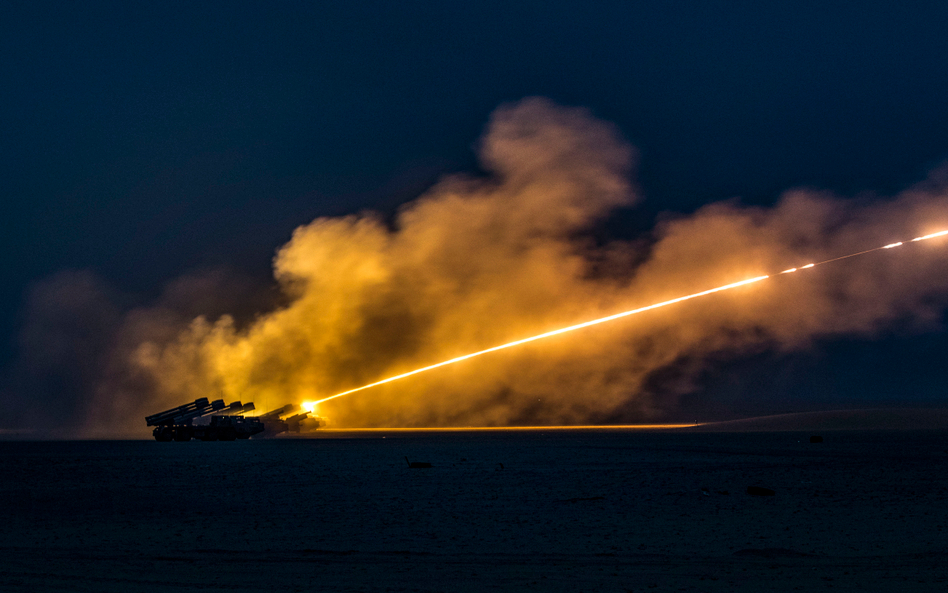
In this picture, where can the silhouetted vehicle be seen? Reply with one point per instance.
(272, 424)
(284, 420)
(206, 421)
(217, 421)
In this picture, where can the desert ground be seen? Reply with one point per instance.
(538, 510)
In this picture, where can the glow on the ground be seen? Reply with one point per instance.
(504, 428)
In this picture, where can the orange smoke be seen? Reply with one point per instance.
(478, 261)
(311, 406)
(548, 334)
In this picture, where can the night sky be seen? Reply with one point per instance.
(145, 141)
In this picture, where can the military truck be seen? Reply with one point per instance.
(286, 419)
(205, 420)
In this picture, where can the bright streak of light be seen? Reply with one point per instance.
(555, 332)
(311, 406)
(931, 236)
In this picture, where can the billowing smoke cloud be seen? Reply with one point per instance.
(476, 262)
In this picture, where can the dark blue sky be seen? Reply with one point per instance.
(145, 140)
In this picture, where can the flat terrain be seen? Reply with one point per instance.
(579, 510)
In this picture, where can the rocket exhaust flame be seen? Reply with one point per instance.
(311, 405)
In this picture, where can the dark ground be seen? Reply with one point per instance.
(600, 510)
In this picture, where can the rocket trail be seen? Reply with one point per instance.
(547, 335)
(564, 330)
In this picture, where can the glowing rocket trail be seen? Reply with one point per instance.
(549, 334)
(564, 330)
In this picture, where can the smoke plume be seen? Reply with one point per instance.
(479, 261)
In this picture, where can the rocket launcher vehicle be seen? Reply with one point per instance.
(224, 422)
(217, 421)
(168, 416)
